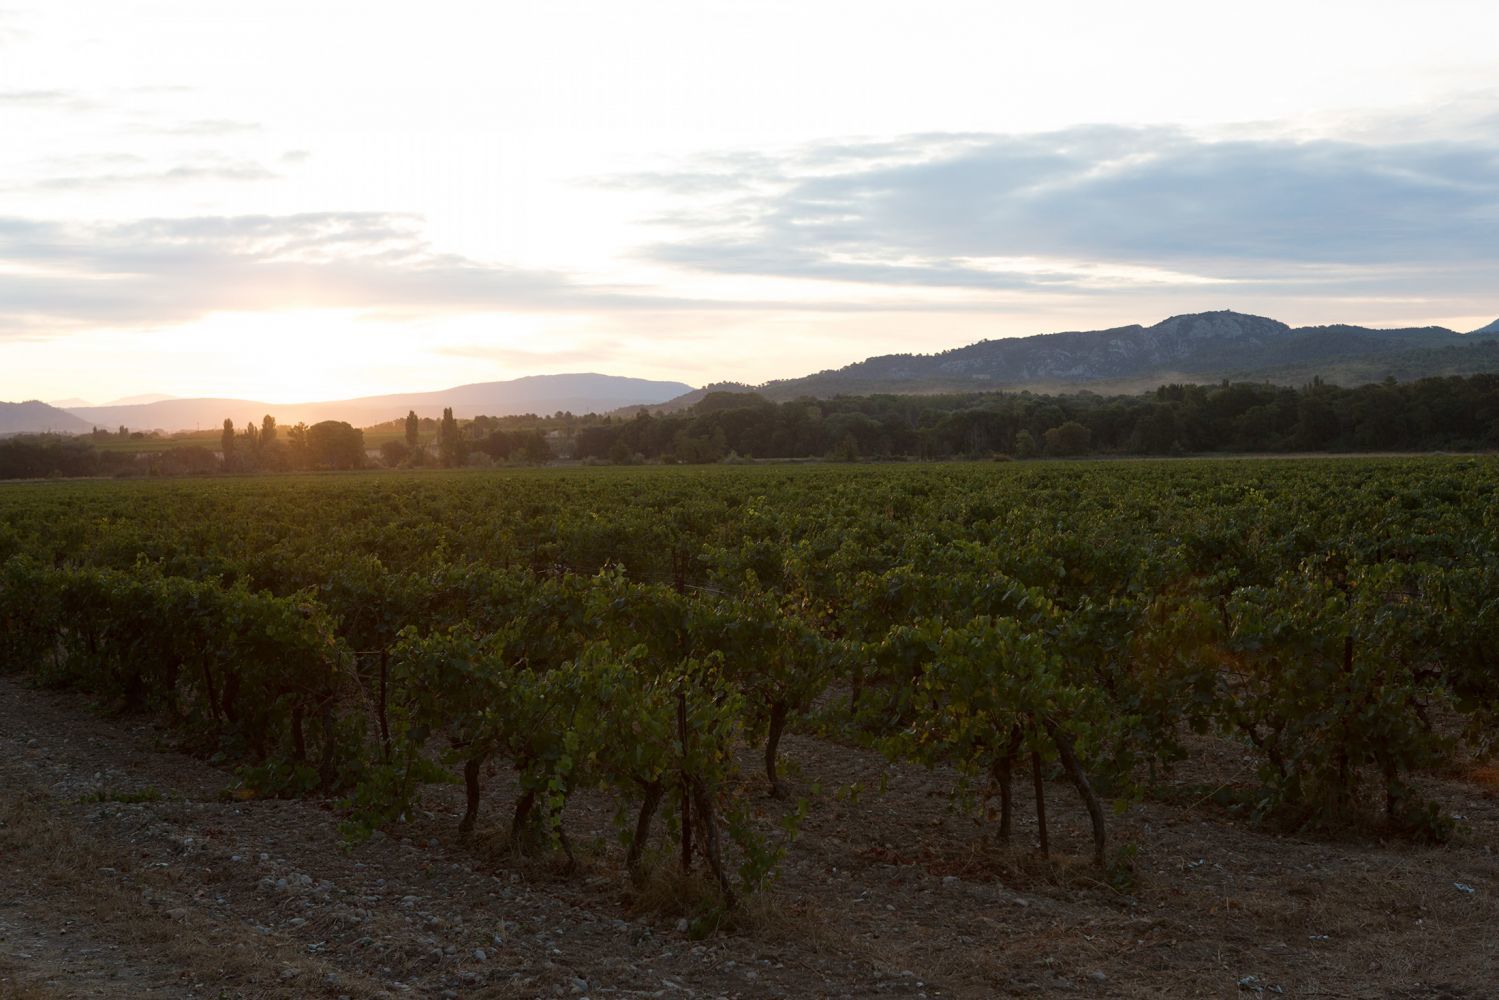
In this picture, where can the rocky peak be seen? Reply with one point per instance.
(1223, 324)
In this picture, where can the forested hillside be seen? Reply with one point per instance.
(1429, 414)
(1194, 347)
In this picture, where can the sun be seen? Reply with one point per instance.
(308, 355)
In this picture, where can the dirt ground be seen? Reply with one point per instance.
(125, 871)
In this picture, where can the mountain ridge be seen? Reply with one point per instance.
(36, 417)
(576, 392)
(1207, 346)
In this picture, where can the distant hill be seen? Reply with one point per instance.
(75, 403)
(1197, 347)
(36, 417)
(544, 394)
(687, 399)
(1191, 348)
(150, 397)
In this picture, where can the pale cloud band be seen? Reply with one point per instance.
(187, 184)
(965, 222)
(61, 277)
(953, 210)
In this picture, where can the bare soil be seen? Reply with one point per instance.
(126, 871)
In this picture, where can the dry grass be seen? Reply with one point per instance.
(895, 894)
(12, 989)
(1485, 777)
(87, 891)
(767, 918)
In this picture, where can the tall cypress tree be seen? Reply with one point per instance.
(449, 443)
(227, 443)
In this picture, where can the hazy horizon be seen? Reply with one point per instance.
(293, 203)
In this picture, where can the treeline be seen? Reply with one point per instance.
(480, 441)
(331, 444)
(328, 444)
(1458, 413)
(39, 456)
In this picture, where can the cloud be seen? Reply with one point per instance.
(184, 173)
(587, 352)
(1093, 208)
(205, 127)
(918, 224)
(47, 100)
(57, 276)
(10, 30)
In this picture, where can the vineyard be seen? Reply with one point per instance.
(652, 638)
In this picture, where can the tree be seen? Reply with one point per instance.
(296, 440)
(1317, 424)
(267, 430)
(394, 453)
(1155, 433)
(450, 444)
(274, 457)
(496, 445)
(1025, 444)
(190, 460)
(846, 450)
(1071, 438)
(412, 427)
(334, 444)
(226, 443)
(531, 446)
(33, 457)
(247, 448)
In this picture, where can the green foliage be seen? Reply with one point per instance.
(332, 444)
(634, 631)
(1071, 438)
(1423, 414)
(1330, 676)
(451, 448)
(254, 672)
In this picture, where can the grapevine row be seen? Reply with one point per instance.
(631, 633)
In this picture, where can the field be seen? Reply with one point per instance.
(1115, 729)
(150, 443)
(212, 439)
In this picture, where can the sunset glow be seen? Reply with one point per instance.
(346, 199)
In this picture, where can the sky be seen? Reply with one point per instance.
(317, 199)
